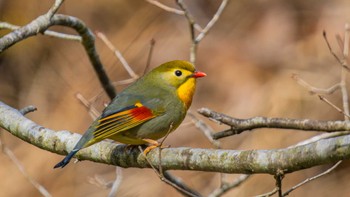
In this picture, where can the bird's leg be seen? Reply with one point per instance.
(152, 145)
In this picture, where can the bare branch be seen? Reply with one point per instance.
(320, 137)
(332, 52)
(166, 177)
(149, 58)
(228, 186)
(344, 92)
(172, 181)
(271, 193)
(20, 167)
(54, 8)
(206, 129)
(240, 125)
(117, 54)
(322, 98)
(192, 23)
(314, 90)
(346, 42)
(166, 8)
(312, 178)
(189, 18)
(28, 109)
(92, 111)
(212, 22)
(117, 182)
(180, 184)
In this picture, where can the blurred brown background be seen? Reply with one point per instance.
(249, 56)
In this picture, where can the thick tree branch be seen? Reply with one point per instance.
(226, 161)
(240, 125)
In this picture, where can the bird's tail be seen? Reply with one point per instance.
(82, 143)
(66, 160)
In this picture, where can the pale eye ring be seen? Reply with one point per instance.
(178, 73)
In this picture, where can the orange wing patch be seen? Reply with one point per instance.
(122, 120)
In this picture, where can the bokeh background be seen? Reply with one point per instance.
(249, 56)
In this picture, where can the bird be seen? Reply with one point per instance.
(146, 110)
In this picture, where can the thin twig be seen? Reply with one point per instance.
(54, 8)
(312, 178)
(28, 109)
(123, 82)
(180, 183)
(322, 98)
(212, 22)
(271, 193)
(189, 18)
(92, 110)
(160, 149)
(205, 128)
(340, 42)
(115, 84)
(345, 96)
(166, 176)
(20, 167)
(100, 182)
(320, 137)
(194, 26)
(117, 54)
(314, 90)
(149, 58)
(346, 41)
(332, 52)
(330, 90)
(165, 180)
(117, 182)
(228, 186)
(191, 22)
(165, 7)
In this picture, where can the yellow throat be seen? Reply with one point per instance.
(186, 90)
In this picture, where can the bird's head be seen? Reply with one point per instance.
(179, 75)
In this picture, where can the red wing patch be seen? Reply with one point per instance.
(122, 120)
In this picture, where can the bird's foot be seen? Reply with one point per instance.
(152, 144)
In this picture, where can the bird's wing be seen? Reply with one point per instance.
(121, 120)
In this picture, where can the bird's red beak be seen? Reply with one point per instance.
(198, 74)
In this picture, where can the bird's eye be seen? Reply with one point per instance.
(178, 73)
